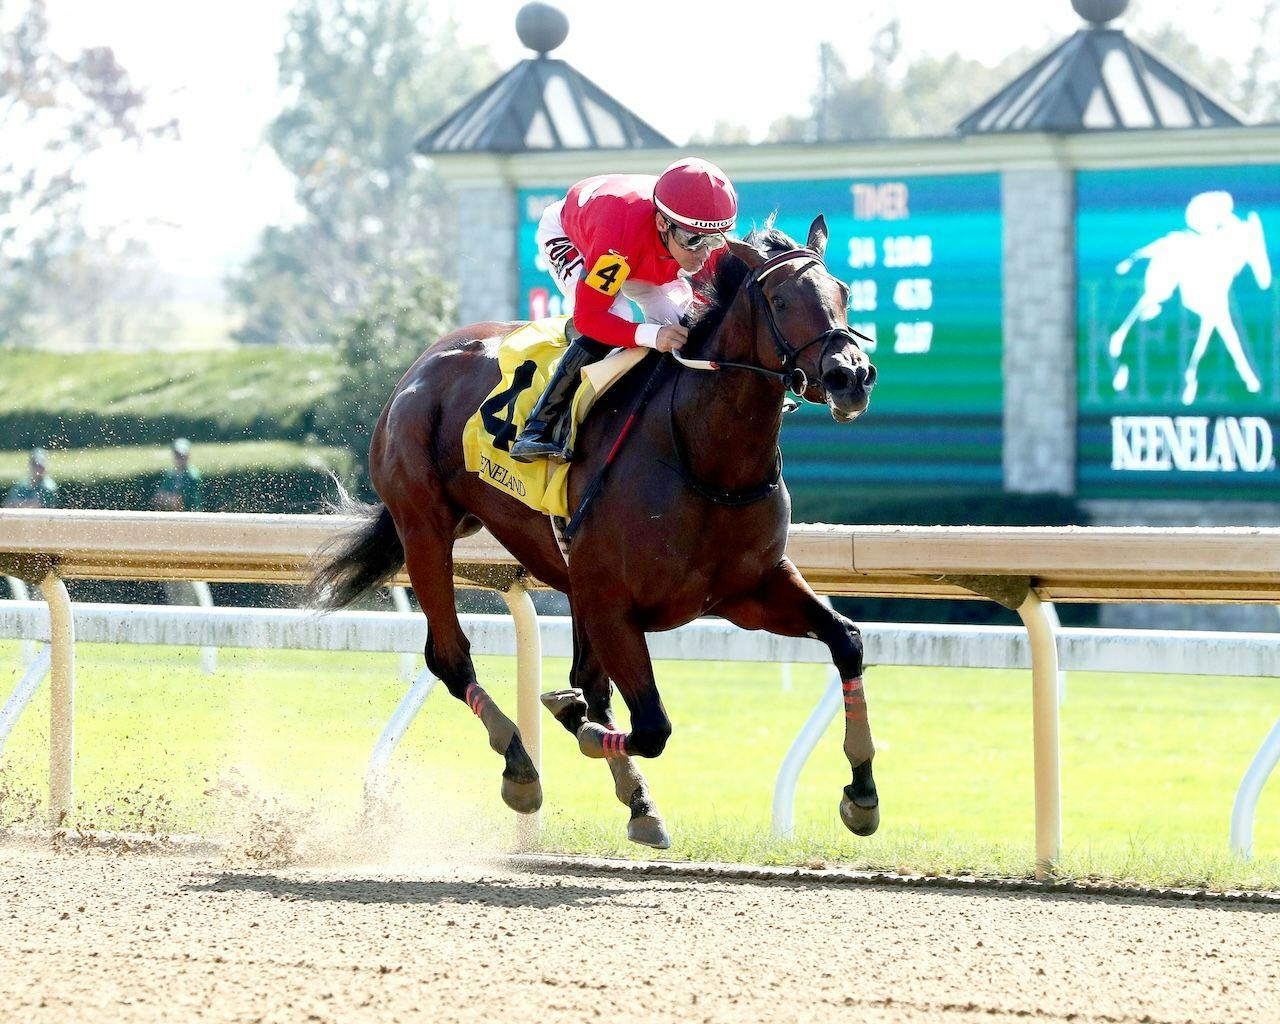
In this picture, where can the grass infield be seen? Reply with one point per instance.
(1150, 764)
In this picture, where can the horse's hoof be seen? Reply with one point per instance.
(568, 707)
(522, 797)
(1121, 380)
(861, 821)
(649, 830)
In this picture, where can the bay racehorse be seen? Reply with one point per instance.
(692, 519)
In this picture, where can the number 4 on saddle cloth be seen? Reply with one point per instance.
(527, 357)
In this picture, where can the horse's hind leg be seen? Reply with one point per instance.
(428, 547)
(785, 604)
(590, 701)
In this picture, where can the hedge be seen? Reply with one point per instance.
(94, 399)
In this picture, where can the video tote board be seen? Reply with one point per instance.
(1179, 332)
(922, 258)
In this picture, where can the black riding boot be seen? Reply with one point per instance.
(546, 432)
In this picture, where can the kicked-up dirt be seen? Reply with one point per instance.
(97, 936)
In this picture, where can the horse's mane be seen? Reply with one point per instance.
(715, 294)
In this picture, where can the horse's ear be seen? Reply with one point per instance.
(818, 235)
(749, 254)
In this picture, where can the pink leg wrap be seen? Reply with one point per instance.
(855, 701)
(614, 743)
(477, 698)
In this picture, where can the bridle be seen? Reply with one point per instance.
(791, 376)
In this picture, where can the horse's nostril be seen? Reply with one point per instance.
(871, 375)
(839, 378)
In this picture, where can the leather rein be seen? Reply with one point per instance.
(791, 376)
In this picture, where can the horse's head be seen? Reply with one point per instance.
(802, 323)
(1255, 251)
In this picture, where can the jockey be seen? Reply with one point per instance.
(617, 239)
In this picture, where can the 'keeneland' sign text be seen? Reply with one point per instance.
(1225, 444)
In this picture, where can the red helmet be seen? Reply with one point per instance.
(696, 195)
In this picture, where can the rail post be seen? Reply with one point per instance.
(408, 662)
(62, 697)
(1044, 728)
(784, 786)
(1250, 789)
(26, 648)
(528, 689)
(375, 775)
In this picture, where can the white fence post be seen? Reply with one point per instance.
(1246, 801)
(26, 648)
(31, 679)
(528, 690)
(784, 788)
(408, 662)
(62, 698)
(1051, 614)
(1044, 730)
(375, 776)
(204, 599)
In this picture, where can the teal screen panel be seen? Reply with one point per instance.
(1178, 332)
(922, 258)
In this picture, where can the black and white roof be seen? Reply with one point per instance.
(1098, 80)
(541, 104)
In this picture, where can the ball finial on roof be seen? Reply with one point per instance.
(1099, 12)
(541, 27)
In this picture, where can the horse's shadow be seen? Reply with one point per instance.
(492, 892)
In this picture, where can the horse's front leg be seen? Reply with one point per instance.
(589, 700)
(785, 604)
(620, 646)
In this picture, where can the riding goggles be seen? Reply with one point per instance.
(695, 241)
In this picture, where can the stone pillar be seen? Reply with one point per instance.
(487, 267)
(1039, 330)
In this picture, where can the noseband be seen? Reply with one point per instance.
(790, 375)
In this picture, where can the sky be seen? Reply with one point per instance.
(201, 201)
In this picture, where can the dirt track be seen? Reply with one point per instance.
(96, 936)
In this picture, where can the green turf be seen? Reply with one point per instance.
(1150, 764)
(238, 382)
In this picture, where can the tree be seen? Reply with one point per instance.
(1253, 87)
(894, 96)
(722, 133)
(926, 95)
(1259, 90)
(364, 79)
(848, 106)
(55, 111)
(377, 343)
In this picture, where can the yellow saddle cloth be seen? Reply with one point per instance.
(527, 357)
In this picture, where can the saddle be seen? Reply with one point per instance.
(527, 357)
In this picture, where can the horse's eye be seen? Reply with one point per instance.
(779, 303)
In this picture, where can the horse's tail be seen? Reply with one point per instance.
(358, 561)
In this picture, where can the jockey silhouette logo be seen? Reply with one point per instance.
(1200, 264)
